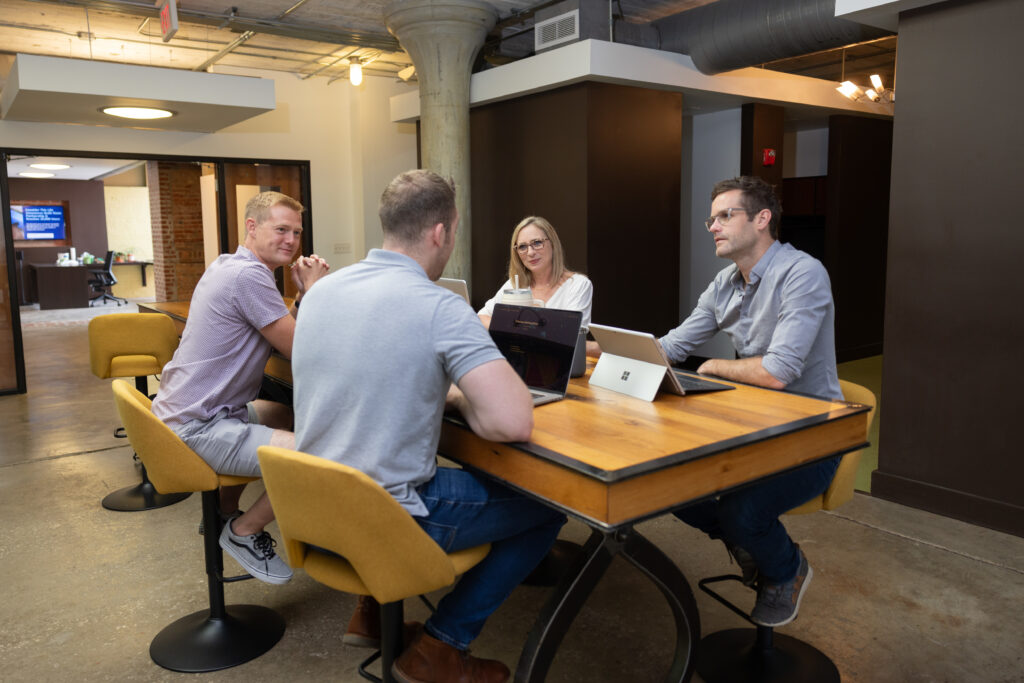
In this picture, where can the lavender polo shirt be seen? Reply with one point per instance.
(219, 363)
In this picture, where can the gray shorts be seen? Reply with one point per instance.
(227, 445)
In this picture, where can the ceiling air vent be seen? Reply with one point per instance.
(564, 28)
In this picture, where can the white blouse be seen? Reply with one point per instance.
(575, 294)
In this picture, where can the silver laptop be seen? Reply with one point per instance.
(634, 363)
(453, 285)
(540, 344)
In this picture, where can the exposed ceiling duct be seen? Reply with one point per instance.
(732, 34)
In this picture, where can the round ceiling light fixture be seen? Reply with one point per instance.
(50, 167)
(142, 113)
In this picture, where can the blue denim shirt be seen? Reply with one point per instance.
(784, 314)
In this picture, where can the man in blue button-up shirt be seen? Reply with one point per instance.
(775, 303)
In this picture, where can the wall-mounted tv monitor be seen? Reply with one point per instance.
(39, 221)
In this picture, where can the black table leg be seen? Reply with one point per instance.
(646, 557)
(578, 583)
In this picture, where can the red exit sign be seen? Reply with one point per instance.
(168, 18)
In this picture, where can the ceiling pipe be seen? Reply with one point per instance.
(238, 23)
(732, 34)
(242, 39)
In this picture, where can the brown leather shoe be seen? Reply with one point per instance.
(364, 626)
(429, 660)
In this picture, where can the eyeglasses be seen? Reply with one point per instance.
(537, 245)
(723, 217)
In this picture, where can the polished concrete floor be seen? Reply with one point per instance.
(898, 594)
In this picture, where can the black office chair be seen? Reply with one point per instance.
(101, 280)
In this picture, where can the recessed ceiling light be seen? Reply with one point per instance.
(31, 174)
(50, 167)
(137, 112)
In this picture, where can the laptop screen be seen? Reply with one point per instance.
(537, 342)
(452, 285)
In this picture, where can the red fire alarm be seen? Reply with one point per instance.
(769, 157)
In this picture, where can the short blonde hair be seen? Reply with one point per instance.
(259, 206)
(515, 264)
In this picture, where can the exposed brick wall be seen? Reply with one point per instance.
(177, 218)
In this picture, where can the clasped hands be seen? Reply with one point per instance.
(308, 269)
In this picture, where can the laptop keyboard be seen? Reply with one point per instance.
(691, 383)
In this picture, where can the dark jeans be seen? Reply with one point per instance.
(749, 517)
(466, 510)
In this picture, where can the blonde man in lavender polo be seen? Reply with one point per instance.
(208, 390)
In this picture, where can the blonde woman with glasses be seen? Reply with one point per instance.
(536, 256)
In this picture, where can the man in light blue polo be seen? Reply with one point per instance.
(380, 352)
(775, 303)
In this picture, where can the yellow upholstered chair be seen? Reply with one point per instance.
(133, 345)
(841, 488)
(744, 654)
(375, 547)
(221, 636)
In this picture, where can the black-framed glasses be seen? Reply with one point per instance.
(723, 217)
(537, 245)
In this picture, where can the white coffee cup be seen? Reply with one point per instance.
(520, 297)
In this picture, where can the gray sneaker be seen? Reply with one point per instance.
(748, 568)
(778, 603)
(256, 555)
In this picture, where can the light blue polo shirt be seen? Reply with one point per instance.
(377, 345)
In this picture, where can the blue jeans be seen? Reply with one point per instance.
(749, 517)
(466, 510)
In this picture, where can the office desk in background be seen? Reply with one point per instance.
(612, 461)
(60, 286)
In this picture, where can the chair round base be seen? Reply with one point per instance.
(733, 655)
(198, 643)
(141, 497)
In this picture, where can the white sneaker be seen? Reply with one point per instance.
(256, 555)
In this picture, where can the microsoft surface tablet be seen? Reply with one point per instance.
(638, 366)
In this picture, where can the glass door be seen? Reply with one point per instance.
(12, 358)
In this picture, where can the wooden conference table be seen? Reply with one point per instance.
(612, 461)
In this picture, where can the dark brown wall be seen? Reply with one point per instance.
(761, 129)
(601, 162)
(857, 226)
(87, 214)
(949, 439)
(528, 157)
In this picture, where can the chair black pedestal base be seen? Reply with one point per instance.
(735, 655)
(141, 497)
(198, 643)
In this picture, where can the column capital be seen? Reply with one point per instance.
(440, 16)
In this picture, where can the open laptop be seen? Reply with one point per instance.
(539, 343)
(453, 285)
(634, 363)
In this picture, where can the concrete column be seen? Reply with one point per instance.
(443, 38)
